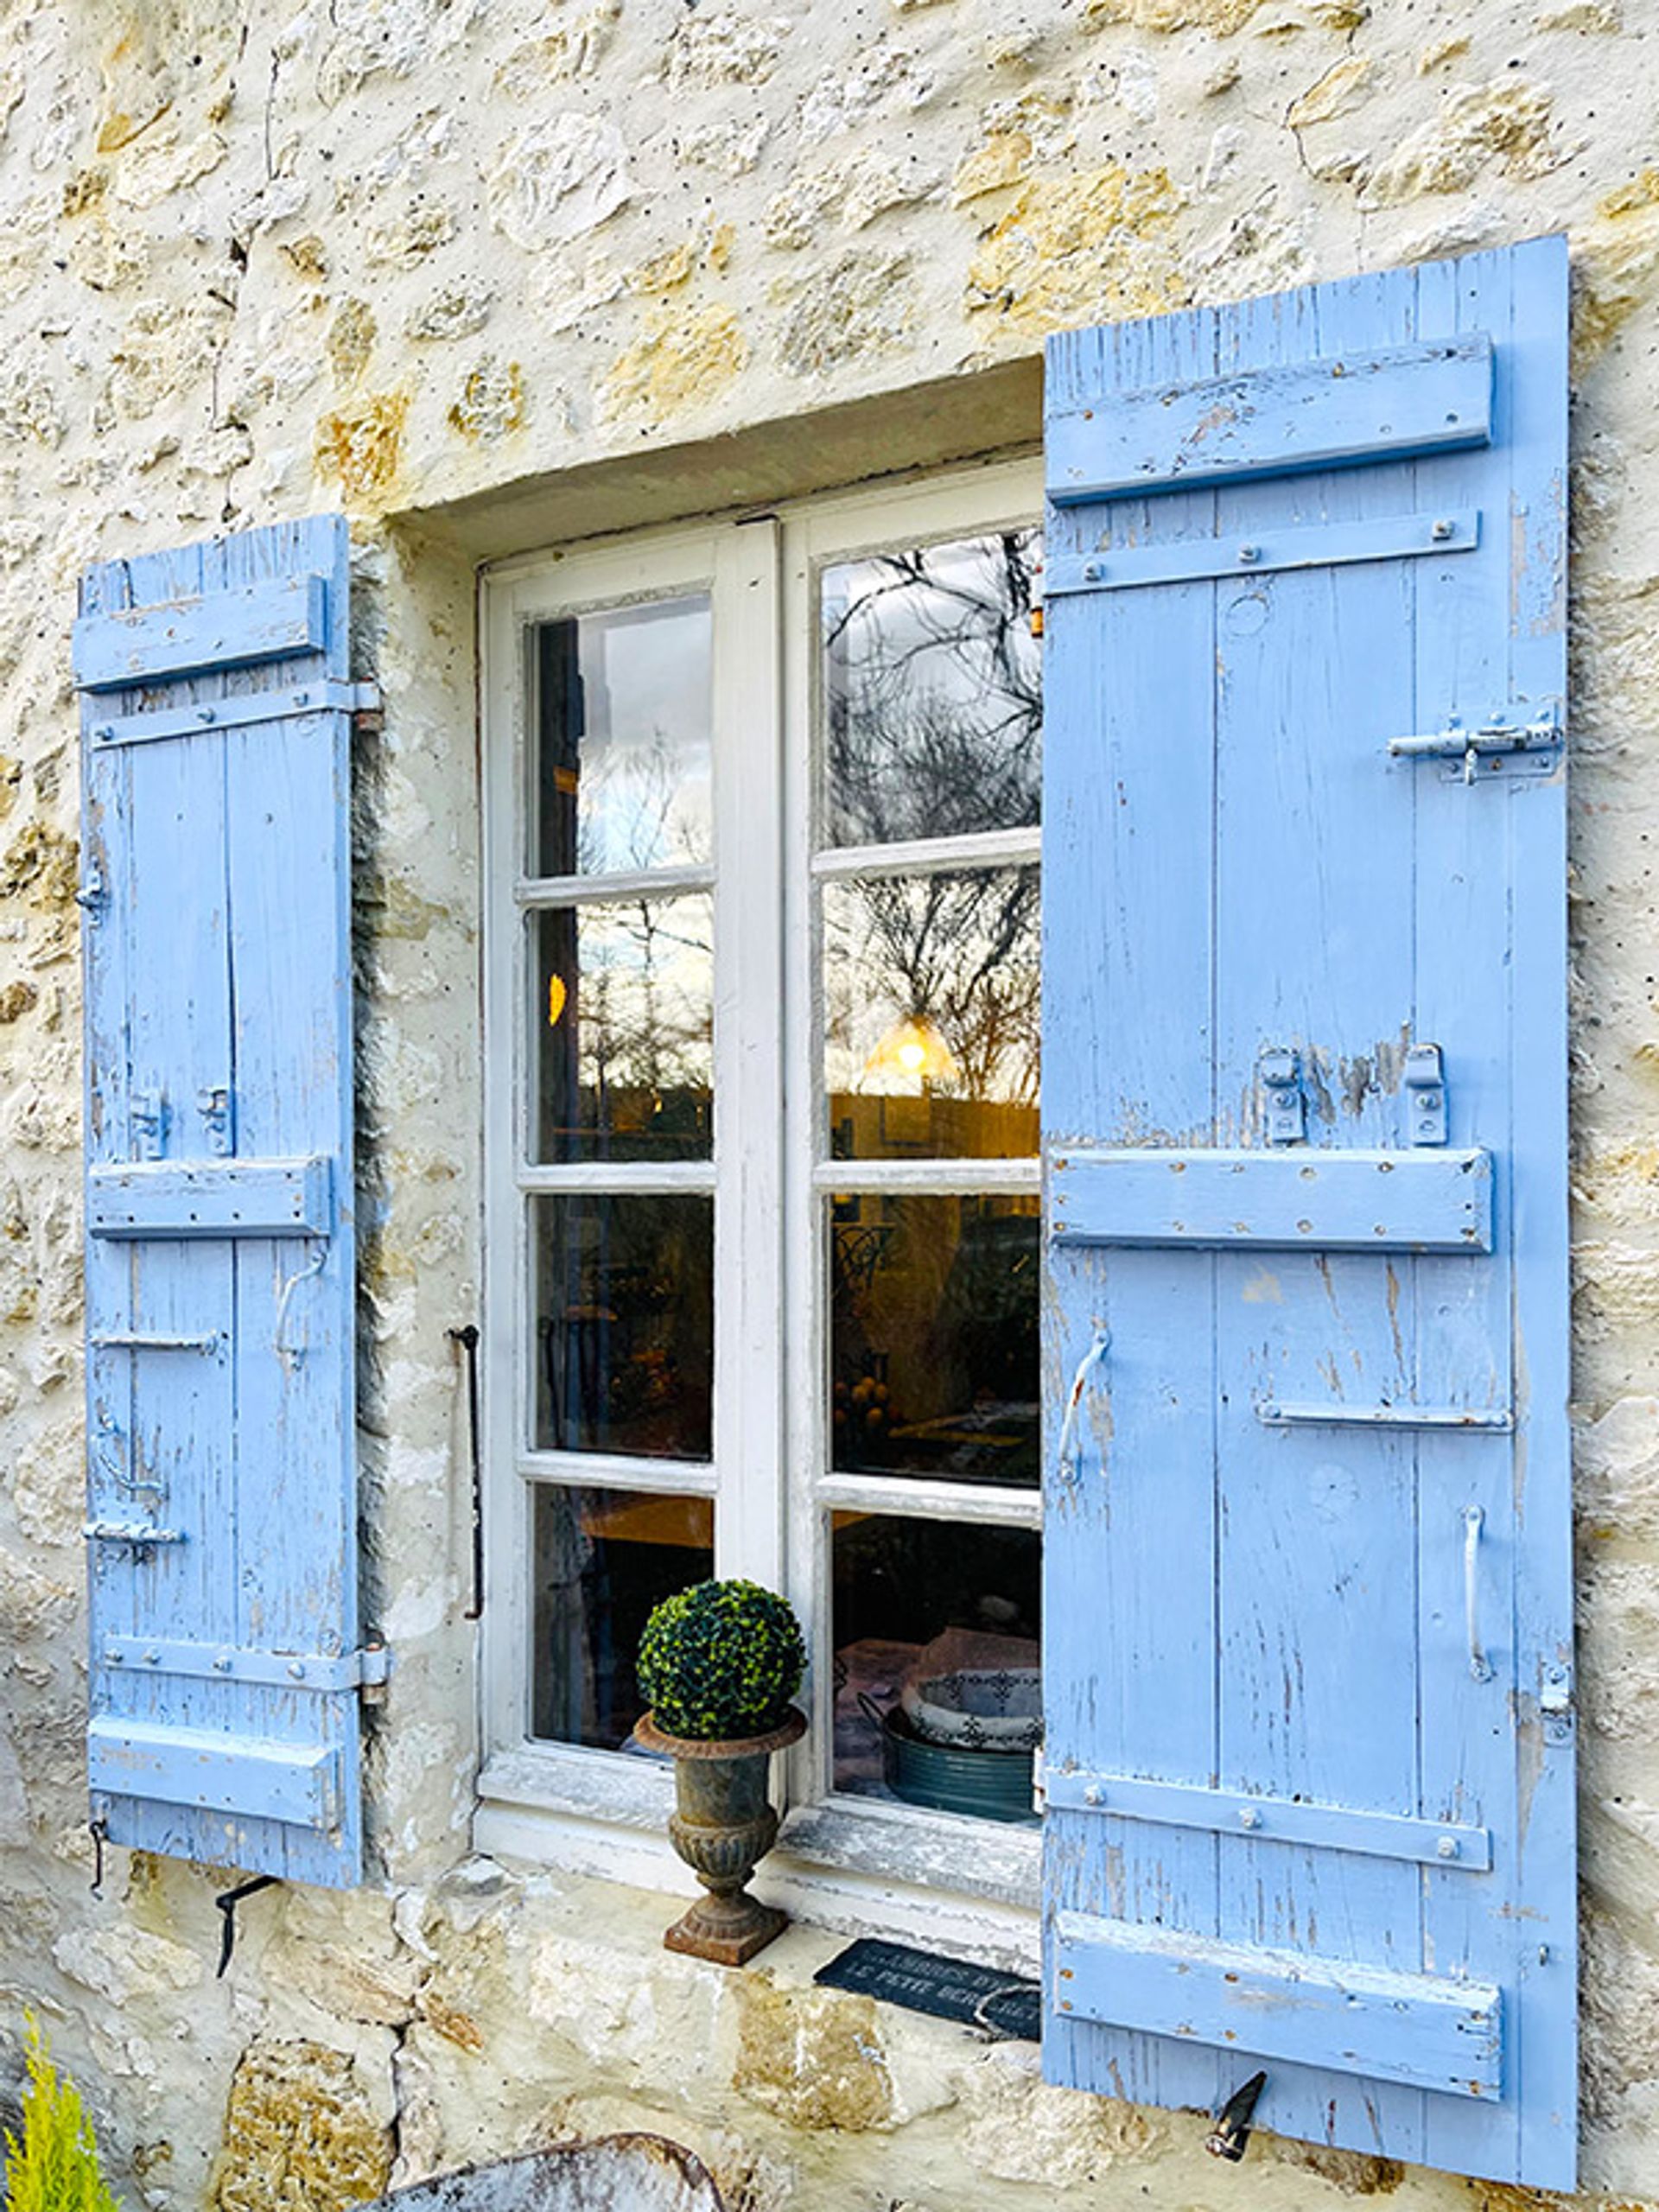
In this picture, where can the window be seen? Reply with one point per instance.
(762, 1015)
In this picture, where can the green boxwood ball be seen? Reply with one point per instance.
(721, 1659)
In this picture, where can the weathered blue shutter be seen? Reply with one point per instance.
(221, 1531)
(1308, 1635)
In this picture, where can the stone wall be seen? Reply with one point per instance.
(396, 254)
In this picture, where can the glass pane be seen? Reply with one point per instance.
(933, 1336)
(623, 718)
(933, 691)
(601, 1559)
(622, 1013)
(933, 1003)
(623, 1323)
(937, 1682)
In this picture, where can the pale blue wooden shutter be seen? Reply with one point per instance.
(215, 892)
(1309, 1635)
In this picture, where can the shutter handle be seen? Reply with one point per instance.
(1480, 1667)
(291, 1354)
(1086, 1366)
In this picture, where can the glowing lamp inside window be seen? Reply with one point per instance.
(913, 1050)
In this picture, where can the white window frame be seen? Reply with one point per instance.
(598, 1811)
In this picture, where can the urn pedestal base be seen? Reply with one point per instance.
(721, 1825)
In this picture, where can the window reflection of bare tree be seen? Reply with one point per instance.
(642, 1027)
(934, 716)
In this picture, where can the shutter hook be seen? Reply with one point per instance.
(290, 1355)
(1480, 1667)
(1230, 2135)
(1091, 1359)
(227, 1901)
(98, 1828)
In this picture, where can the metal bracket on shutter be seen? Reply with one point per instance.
(367, 1668)
(237, 711)
(213, 1104)
(1318, 545)
(148, 1114)
(1284, 1108)
(1499, 748)
(1556, 1704)
(1272, 1820)
(140, 1534)
(1425, 1089)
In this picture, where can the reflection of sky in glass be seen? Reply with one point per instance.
(626, 738)
(933, 691)
(623, 1009)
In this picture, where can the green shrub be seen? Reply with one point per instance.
(54, 2167)
(722, 1659)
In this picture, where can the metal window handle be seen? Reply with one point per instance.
(1480, 1667)
(1086, 1366)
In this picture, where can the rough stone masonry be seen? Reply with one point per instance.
(260, 257)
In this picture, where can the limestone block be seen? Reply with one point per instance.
(1079, 249)
(301, 2133)
(722, 47)
(814, 2057)
(887, 80)
(1018, 2129)
(454, 312)
(619, 2020)
(491, 403)
(859, 306)
(123, 1963)
(1508, 121)
(853, 191)
(557, 179)
(569, 50)
(731, 144)
(30, 406)
(681, 363)
(360, 447)
(1617, 265)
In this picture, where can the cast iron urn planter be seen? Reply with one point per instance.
(723, 1823)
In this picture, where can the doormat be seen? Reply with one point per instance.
(1003, 2005)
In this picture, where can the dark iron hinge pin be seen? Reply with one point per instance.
(227, 1901)
(1230, 2135)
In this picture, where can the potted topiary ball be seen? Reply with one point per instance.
(720, 1663)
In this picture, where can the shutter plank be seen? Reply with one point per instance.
(1420, 2030)
(1262, 417)
(1138, 844)
(200, 634)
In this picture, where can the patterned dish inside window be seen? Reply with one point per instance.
(981, 1708)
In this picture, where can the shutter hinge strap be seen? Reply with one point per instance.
(237, 711)
(364, 1669)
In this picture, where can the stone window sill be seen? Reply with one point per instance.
(964, 1886)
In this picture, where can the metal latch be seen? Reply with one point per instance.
(1490, 748)
(1284, 1109)
(213, 1104)
(1425, 1088)
(1556, 1704)
(130, 1532)
(148, 1114)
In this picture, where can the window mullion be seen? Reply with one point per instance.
(749, 1057)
